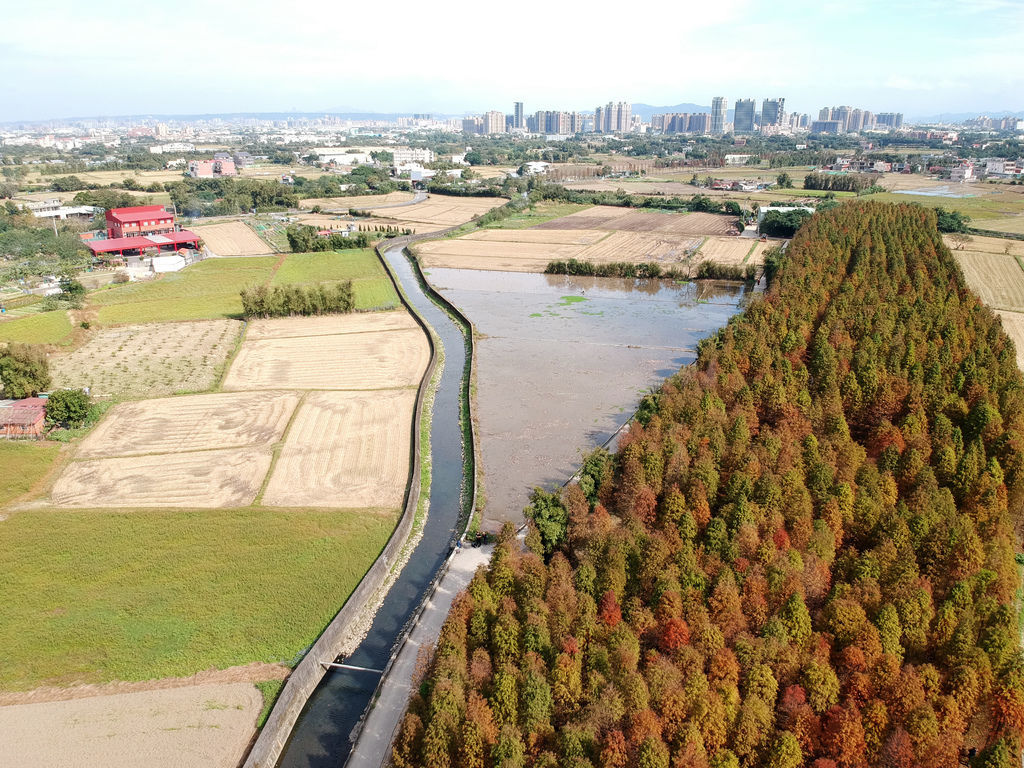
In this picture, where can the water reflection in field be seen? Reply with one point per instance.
(563, 361)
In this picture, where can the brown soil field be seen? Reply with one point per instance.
(346, 449)
(217, 478)
(536, 235)
(358, 201)
(732, 250)
(232, 238)
(1012, 224)
(996, 278)
(625, 220)
(640, 246)
(528, 257)
(1013, 324)
(357, 355)
(327, 325)
(191, 423)
(148, 360)
(446, 211)
(417, 227)
(979, 244)
(205, 726)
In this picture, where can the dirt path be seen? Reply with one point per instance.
(247, 673)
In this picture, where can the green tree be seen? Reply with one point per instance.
(784, 180)
(550, 517)
(24, 371)
(67, 407)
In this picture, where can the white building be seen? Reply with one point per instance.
(964, 172)
(737, 159)
(174, 146)
(405, 155)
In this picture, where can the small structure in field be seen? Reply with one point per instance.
(22, 418)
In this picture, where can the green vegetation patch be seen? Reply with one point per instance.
(41, 328)
(536, 214)
(371, 285)
(98, 595)
(206, 290)
(23, 463)
(269, 689)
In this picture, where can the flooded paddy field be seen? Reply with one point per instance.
(562, 363)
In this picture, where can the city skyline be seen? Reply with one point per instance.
(236, 62)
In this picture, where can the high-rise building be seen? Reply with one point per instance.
(494, 122)
(518, 117)
(892, 120)
(856, 122)
(700, 123)
(825, 113)
(773, 112)
(719, 106)
(743, 119)
(472, 125)
(842, 114)
(614, 117)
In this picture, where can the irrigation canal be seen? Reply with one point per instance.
(321, 737)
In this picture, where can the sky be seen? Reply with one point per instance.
(66, 58)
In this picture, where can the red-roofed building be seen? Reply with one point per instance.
(130, 246)
(23, 418)
(139, 221)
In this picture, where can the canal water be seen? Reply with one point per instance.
(562, 363)
(320, 738)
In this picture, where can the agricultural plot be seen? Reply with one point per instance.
(732, 251)
(207, 290)
(372, 287)
(327, 325)
(346, 359)
(1013, 324)
(148, 360)
(441, 210)
(357, 201)
(191, 423)
(997, 278)
(232, 238)
(217, 478)
(979, 244)
(37, 328)
(346, 449)
(626, 220)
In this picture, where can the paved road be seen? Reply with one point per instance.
(374, 744)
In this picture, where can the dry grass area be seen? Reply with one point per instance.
(205, 726)
(346, 449)
(328, 325)
(444, 211)
(191, 423)
(357, 201)
(216, 478)
(627, 220)
(1010, 224)
(356, 355)
(733, 251)
(148, 360)
(537, 235)
(232, 238)
(1013, 324)
(997, 278)
(978, 244)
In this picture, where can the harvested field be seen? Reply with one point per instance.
(445, 211)
(344, 360)
(537, 235)
(218, 478)
(626, 220)
(327, 325)
(637, 246)
(417, 227)
(191, 423)
(357, 201)
(1013, 324)
(210, 724)
(232, 238)
(998, 279)
(979, 244)
(346, 449)
(148, 360)
(1011, 224)
(474, 254)
(733, 251)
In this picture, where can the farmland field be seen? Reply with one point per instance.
(191, 423)
(998, 279)
(1013, 324)
(232, 238)
(373, 288)
(979, 244)
(40, 328)
(628, 220)
(215, 478)
(97, 595)
(732, 251)
(441, 210)
(24, 464)
(148, 360)
(327, 325)
(356, 201)
(348, 449)
(394, 358)
(206, 290)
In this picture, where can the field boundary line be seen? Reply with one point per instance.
(275, 449)
(754, 248)
(230, 359)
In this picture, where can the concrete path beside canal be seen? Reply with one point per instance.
(374, 744)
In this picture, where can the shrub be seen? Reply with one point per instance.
(24, 371)
(67, 408)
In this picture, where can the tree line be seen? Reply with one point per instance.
(303, 238)
(802, 553)
(262, 301)
(846, 182)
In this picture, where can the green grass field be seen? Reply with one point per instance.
(22, 464)
(373, 288)
(40, 328)
(204, 291)
(536, 214)
(99, 595)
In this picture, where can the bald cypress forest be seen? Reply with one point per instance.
(801, 554)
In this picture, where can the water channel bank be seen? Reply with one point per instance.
(322, 733)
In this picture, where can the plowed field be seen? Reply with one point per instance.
(232, 238)
(358, 201)
(626, 220)
(441, 210)
(346, 449)
(998, 279)
(222, 478)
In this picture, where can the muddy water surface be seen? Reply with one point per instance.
(563, 361)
